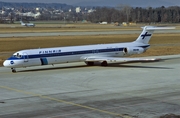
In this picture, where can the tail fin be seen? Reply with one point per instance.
(21, 22)
(147, 33)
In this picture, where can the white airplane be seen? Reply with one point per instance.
(27, 24)
(89, 54)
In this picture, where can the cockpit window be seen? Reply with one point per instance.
(17, 55)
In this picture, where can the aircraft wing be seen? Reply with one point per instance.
(116, 59)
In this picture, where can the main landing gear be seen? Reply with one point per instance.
(89, 63)
(104, 63)
(13, 70)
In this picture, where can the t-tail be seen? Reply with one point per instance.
(147, 33)
(22, 23)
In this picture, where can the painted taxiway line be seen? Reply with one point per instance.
(65, 102)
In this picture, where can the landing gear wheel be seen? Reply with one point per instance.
(104, 63)
(90, 63)
(13, 70)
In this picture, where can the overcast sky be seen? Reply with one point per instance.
(46, 1)
(152, 3)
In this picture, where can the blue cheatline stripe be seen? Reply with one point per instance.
(72, 53)
(144, 46)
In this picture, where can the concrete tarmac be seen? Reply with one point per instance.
(74, 90)
(81, 33)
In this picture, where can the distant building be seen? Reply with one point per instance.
(37, 9)
(90, 10)
(30, 14)
(37, 15)
(103, 23)
(78, 9)
(3, 12)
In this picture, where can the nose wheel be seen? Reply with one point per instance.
(13, 70)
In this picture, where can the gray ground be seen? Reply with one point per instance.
(68, 33)
(143, 90)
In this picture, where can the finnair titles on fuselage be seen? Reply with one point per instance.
(102, 53)
(49, 51)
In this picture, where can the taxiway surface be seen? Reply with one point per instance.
(24, 34)
(143, 90)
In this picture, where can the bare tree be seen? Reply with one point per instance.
(129, 14)
(125, 9)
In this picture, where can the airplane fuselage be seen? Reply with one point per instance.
(28, 24)
(48, 56)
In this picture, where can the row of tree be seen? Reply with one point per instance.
(124, 13)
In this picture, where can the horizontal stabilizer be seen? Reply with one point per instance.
(148, 28)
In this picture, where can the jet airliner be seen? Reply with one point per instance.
(27, 24)
(89, 54)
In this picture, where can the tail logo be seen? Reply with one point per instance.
(144, 35)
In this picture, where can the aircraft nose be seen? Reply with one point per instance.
(5, 64)
(8, 63)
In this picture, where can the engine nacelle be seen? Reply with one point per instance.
(133, 50)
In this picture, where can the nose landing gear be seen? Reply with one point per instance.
(13, 70)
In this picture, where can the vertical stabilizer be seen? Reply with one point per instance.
(22, 23)
(147, 33)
